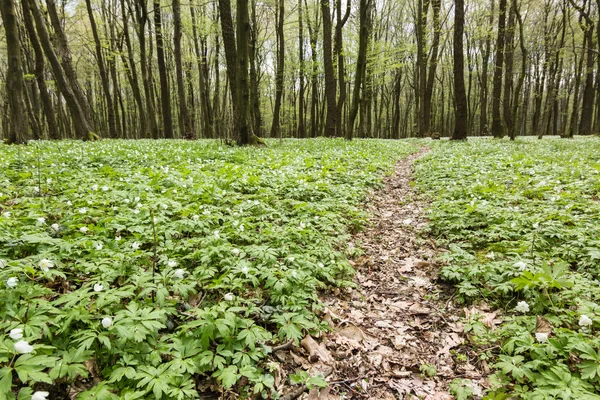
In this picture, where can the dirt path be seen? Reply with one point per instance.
(396, 333)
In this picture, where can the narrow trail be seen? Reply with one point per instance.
(396, 335)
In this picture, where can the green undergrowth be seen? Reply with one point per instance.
(141, 269)
(521, 221)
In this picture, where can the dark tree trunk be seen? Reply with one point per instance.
(484, 129)
(165, 92)
(437, 29)
(15, 87)
(339, 51)
(508, 74)
(301, 94)
(460, 97)
(186, 130)
(110, 105)
(497, 127)
(83, 127)
(39, 73)
(330, 83)
(275, 128)
(361, 65)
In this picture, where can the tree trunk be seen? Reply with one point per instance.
(483, 96)
(110, 105)
(361, 65)
(460, 97)
(186, 130)
(83, 127)
(275, 128)
(165, 92)
(508, 74)
(330, 83)
(301, 94)
(15, 87)
(497, 127)
(39, 73)
(437, 29)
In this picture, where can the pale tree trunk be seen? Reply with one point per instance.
(165, 92)
(275, 126)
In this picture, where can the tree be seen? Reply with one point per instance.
(280, 68)
(165, 100)
(497, 126)
(15, 87)
(460, 96)
(185, 123)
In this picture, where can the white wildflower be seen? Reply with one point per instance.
(117, 238)
(82, 210)
(585, 321)
(99, 246)
(3, 263)
(55, 227)
(228, 297)
(179, 273)
(172, 263)
(12, 282)
(541, 337)
(83, 229)
(7, 214)
(136, 211)
(40, 396)
(245, 270)
(98, 287)
(490, 255)
(522, 307)
(23, 347)
(520, 265)
(41, 221)
(135, 245)
(16, 334)
(45, 265)
(217, 234)
(236, 252)
(195, 217)
(107, 322)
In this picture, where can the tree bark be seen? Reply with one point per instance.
(165, 92)
(15, 87)
(497, 127)
(330, 83)
(460, 97)
(275, 128)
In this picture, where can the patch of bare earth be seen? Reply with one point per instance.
(397, 334)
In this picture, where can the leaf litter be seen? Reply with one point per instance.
(397, 334)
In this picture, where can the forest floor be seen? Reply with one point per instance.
(397, 334)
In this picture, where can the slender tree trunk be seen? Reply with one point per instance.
(185, 124)
(165, 92)
(40, 73)
(437, 29)
(460, 97)
(242, 82)
(83, 127)
(275, 128)
(339, 51)
(330, 83)
(361, 65)
(301, 94)
(483, 96)
(508, 73)
(497, 127)
(110, 105)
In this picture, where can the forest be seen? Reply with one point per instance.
(298, 69)
(206, 199)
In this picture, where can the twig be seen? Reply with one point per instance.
(285, 346)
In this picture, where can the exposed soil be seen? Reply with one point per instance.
(397, 334)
